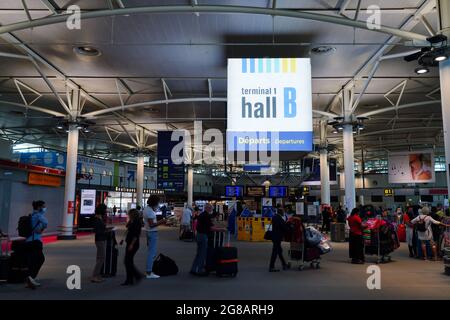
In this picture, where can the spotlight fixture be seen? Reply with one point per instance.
(335, 131)
(60, 126)
(86, 130)
(421, 70)
(440, 57)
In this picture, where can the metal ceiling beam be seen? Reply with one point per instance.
(60, 18)
(168, 101)
(51, 6)
(54, 113)
(394, 108)
(412, 21)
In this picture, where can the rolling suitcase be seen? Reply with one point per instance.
(112, 252)
(5, 259)
(401, 233)
(227, 260)
(215, 240)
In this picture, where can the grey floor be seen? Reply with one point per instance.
(404, 278)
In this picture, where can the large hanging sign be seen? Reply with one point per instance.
(311, 167)
(269, 104)
(411, 167)
(170, 175)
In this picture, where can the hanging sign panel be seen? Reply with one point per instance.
(269, 104)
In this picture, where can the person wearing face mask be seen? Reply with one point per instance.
(35, 254)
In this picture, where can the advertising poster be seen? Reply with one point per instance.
(311, 167)
(269, 104)
(411, 167)
(87, 201)
(300, 208)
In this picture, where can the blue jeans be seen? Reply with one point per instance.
(200, 257)
(152, 240)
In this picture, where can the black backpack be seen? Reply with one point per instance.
(421, 225)
(24, 227)
(164, 266)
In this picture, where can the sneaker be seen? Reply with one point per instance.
(152, 276)
(287, 266)
(30, 283)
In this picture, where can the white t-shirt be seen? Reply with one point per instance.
(186, 218)
(427, 235)
(149, 214)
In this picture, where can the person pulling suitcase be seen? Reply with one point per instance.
(204, 228)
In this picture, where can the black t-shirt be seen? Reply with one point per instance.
(99, 229)
(133, 231)
(204, 223)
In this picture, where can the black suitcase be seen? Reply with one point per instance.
(187, 235)
(112, 253)
(227, 261)
(18, 269)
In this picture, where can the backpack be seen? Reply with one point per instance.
(421, 225)
(24, 226)
(164, 266)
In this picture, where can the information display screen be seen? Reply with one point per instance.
(234, 191)
(256, 191)
(278, 192)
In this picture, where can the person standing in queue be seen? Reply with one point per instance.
(204, 228)
(134, 227)
(34, 246)
(151, 227)
(326, 219)
(100, 241)
(408, 216)
(279, 228)
(356, 241)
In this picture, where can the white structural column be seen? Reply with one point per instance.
(444, 67)
(190, 185)
(349, 157)
(140, 180)
(67, 232)
(324, 165)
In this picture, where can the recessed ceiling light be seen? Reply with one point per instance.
(323, 50)
(87, 51)
(422, 70)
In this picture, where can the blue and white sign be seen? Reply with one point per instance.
(269, 104)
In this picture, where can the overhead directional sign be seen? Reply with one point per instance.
(269, 104)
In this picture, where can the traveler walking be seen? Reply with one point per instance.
(278, 230)
(356, 241)
(100, 241)
(186, 220)
(326, 219)
(34, 246)
(151, 227)
(134, 227)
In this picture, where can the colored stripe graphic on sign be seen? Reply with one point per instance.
(269, 65)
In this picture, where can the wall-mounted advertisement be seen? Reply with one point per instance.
(311, 167)
(269, 104)
(411, 167)
(87, 202)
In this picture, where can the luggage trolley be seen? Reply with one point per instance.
(377, 248)
(299, 251)
(301, 254)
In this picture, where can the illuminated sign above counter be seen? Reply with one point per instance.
(269, 104)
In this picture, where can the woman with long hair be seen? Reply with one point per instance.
(134, 227)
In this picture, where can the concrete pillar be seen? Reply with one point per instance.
(190, 185)
(140, 180)
(444, 68)
(324, 165)
(349, 162)
(349, 157)
(70, 184)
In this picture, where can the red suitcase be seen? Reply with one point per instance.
(401, 233)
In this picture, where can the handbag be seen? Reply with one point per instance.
(268, 233)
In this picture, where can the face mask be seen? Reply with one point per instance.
(44, 210)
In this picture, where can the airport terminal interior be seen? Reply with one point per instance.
(310, 133)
